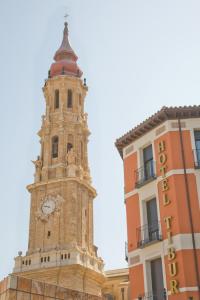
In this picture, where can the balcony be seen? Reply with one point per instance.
(145, 174)
(196, 154)
(148, 234)
(158, 295)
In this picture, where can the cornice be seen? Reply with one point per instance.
(166, 113)
(33, 186)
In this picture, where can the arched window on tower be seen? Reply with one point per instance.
(70, 142)
(55, 141)
(69, 99)
(56, 99)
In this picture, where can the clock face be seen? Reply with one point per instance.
(48, 206)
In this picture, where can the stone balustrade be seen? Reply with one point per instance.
(57, 258)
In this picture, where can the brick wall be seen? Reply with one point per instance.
(20, 288)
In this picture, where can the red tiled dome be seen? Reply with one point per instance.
(65, 59)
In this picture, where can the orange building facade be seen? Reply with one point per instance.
(161, 160)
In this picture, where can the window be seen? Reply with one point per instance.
(157, 279)
(69, 99)
(148, 162)
(152, 220)
(48, 234)
(56, 99)
(197, 147)
(122, 292)
(150, 231)
(197, 139)
(146, 172)
(69, 147)
(55, 147)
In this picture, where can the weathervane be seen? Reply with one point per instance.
(65, 17)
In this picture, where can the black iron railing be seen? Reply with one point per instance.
(148, 233)
(126, 251)
(158, 295)
(145, 174)
(196, 154)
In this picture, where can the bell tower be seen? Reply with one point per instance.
(61, 249)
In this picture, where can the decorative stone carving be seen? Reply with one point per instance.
(86, 176)
(71, 157)
(71, 163)
(38, 169)
(81, 172)
(53, 203)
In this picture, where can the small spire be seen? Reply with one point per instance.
(65, 49)
(66, 25)
(66, 28)
(65, 42)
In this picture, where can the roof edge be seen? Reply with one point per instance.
(165, 113)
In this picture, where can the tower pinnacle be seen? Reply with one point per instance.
(65, 58)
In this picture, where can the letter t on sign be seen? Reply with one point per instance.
(168, 222)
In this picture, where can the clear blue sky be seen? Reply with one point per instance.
(136, 55)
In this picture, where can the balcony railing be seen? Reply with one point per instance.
(158, 295)
(126, 251)
(148, 234)
(145, 174)
(196, 154)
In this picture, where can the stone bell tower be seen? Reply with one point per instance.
(61, 249)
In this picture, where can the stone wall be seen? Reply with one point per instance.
(20, 288)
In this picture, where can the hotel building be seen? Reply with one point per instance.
(161, 159)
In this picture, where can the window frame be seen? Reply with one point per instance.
(54, 146)
(69, 146)
(196, 150)
(69, 99)
(56, 99)
(148, 162)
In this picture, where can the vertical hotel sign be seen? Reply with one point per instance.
(168, 220)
